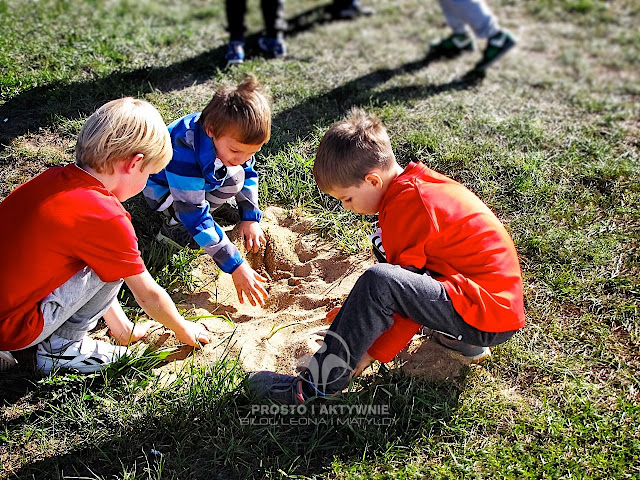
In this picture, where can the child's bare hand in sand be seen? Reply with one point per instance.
(126, 334)
(248, 282)
(121, 329)
(252, 235)
(192, 334)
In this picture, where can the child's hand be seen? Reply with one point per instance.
(364, 362)
(192, 334)
(252, 235)
(132, 333)
(247, 282)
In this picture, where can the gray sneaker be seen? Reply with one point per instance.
(474, 353)
(284, 389)
(7, 361)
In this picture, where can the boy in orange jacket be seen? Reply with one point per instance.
(452, 266)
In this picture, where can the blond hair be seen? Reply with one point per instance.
(350, 149)
(242, 111)
(121, 129)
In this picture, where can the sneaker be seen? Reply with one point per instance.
(227, 214)
(452, 46)
(84, 356)
(273, 46)
(497, 46)
(7, 361)
(284, 389)
(473, 353)
(176, 236)
(235, 53)
(352, 11)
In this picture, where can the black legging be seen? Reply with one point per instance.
(272, 13)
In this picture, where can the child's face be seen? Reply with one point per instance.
(364, 198)
(231, 152)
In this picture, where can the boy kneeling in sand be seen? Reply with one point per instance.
(452, 266)
(71, 243)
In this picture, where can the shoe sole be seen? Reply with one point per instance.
(7, 362)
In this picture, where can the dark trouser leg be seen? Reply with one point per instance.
(236, 10)
(273, 14)
(368, 311)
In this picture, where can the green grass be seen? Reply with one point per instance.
(549, 140)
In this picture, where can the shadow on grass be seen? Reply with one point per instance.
(42, 106)
(233, 438)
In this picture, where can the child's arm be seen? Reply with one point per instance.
(121, 328)
(250, 213)
(157, 303)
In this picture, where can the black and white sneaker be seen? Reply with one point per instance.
(176, 236)
(84, 356)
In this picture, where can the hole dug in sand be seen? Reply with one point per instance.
(307, 277)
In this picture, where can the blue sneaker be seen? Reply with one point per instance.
(273, 46)
(235, 53)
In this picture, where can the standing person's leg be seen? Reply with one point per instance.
(236, 11)
(273, 41)
(460, 40)
(70, 312)
(474, 13)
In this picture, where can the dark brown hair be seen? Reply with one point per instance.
(241, 111)
(350, 149)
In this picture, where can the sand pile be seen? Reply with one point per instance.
(307, 277)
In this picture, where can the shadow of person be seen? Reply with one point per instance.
(194, 432)
(303, 118)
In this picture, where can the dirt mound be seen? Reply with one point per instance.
(307, 277)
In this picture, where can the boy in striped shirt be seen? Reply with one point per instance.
(213, 162)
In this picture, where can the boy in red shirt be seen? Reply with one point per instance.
(452, 266)
(71, 244)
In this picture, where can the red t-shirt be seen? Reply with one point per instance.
(431, 221)
(53, 226)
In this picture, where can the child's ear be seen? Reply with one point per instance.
(134, 162)
(374, 179)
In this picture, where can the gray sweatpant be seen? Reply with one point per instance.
(473, 13)
(381, 291)
(74, 308)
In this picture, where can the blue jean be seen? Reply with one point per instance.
(74, 308)
(473, 13)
